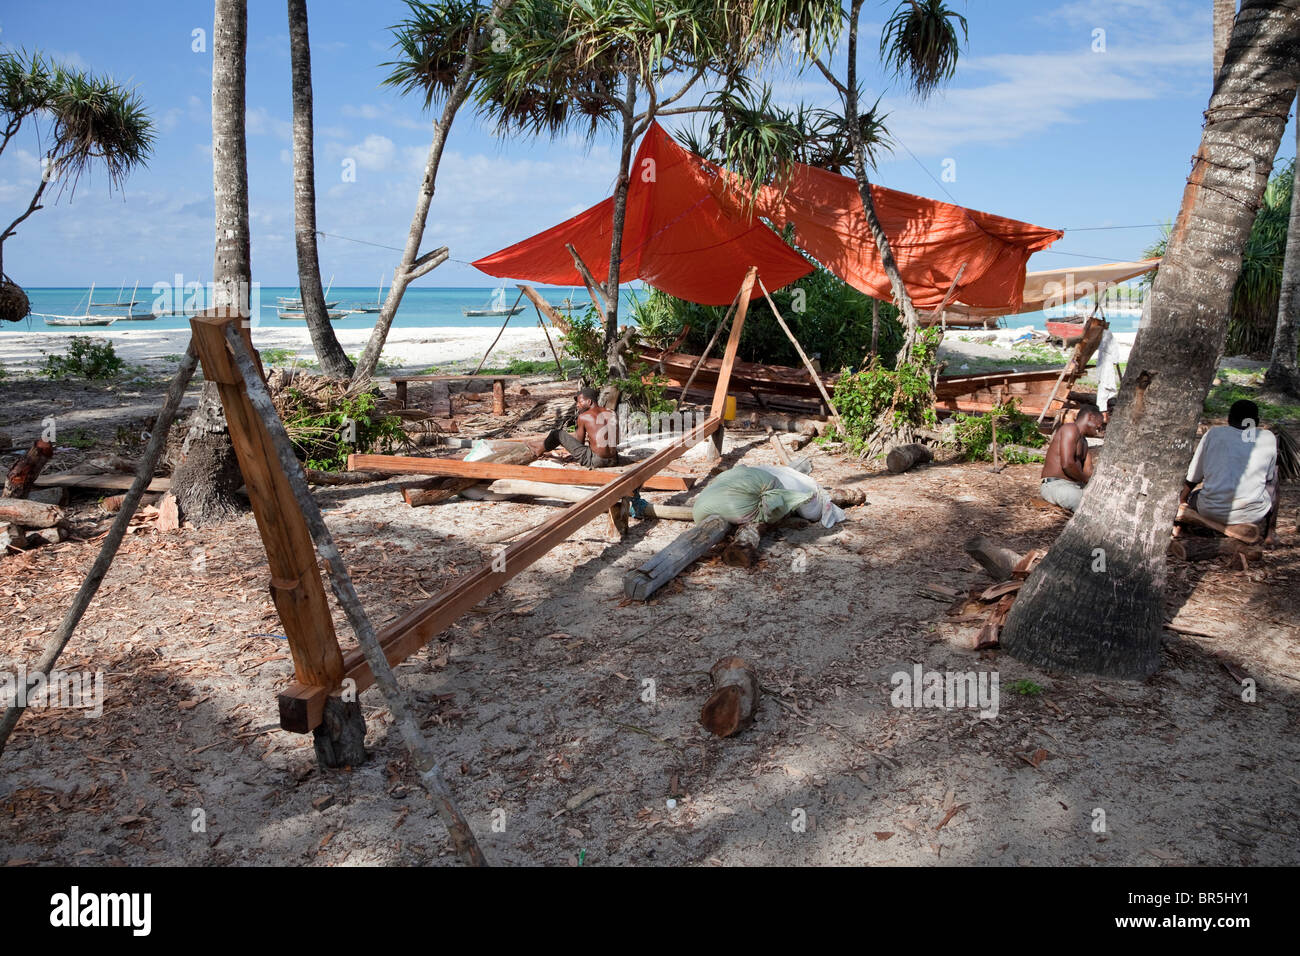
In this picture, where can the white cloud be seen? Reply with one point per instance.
(259, 122)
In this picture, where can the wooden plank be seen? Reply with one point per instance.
(104, 482)
(413, 630)
(296, 586)
(733, 345)
(490, 471)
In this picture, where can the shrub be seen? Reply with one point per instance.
(640, 388)
(326, 429)
(86, 357)
(974, 433)
(877, 396)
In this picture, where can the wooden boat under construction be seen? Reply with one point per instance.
(954, 393)
(761, 381)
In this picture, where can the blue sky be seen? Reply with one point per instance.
(1036, 125)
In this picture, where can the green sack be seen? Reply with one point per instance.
(742, 494)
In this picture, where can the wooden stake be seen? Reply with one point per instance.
(817, 379)
(113, 540)
(421, 752)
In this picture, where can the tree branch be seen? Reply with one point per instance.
(427, 263)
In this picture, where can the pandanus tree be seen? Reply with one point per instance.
(440, 47)
(1095, 602)
(92, 122)
(333, 360)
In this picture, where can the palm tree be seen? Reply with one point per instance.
(93, 121)
(333, 360)
(438, 46)
(206, 480)
(1095, 603)
(1225, 11)
(1283, 371)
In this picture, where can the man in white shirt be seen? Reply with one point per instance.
(1236, 468)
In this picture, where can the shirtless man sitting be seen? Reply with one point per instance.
(594, 444)
(1067, 466)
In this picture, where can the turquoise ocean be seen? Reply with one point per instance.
(421, 307)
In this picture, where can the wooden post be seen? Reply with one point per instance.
(719, 405)
(817, 379)
(401, 393)
(498, 397)
(296, 586)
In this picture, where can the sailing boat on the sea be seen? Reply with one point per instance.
(497, 306)
(76, 320)
(291, 306)
(379, 298)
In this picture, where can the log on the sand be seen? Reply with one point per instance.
(22, 476)
(516, 487)
(903, 457)
(998, 561)
(29, 514)
(735, 697)
(779, 423)
(848, 497)
(315, 477)
(509, 453)
(681, 553)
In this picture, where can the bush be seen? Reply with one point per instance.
(974, 433)
(325, 429)
(640, 388)
(877, 395)
(86, 357)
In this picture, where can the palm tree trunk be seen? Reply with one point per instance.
(333, 361)
(413, 265)
(1225, 11)
(1095, 603)
(208, 475)
(628, 107)
(1283, 373)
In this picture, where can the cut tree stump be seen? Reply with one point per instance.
(903, 457)
(169, 513)
(22, 476)
(735, 697)
(29, 514)
(687, 548)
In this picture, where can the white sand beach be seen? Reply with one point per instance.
(407, 349)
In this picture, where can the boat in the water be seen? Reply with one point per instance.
(496, 307)
(333, 314)
(120, 303)
(362, 309)
(77, 320)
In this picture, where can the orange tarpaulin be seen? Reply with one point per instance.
(690, 231)
(930, 240)
(676, 236)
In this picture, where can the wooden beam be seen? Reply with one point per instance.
(104, 482)
(545, 308)
(296, 586)
(413, 630)
(490, 471)
(733, 345)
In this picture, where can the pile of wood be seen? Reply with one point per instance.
(30, 518)
(990, 605)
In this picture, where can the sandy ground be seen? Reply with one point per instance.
(538, 699)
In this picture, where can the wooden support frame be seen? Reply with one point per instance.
(296, 586)
(319, 665)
